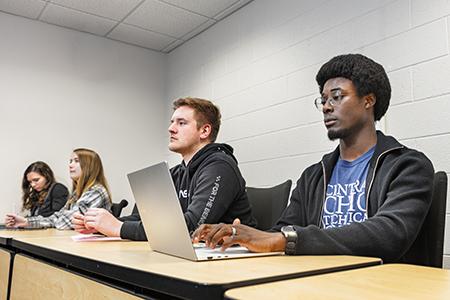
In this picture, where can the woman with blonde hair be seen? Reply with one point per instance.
(89, 190)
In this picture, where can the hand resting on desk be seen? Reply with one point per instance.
(97, 220)
(14, 220)
(78, 224)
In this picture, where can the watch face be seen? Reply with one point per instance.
(289, 233)
(286, 229)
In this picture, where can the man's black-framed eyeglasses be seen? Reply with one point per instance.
(335, 99)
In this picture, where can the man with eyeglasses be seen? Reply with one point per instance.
(369, 197)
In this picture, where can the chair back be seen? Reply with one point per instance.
(268, 203)
(428, 248)
(434, 224)
(116, 208)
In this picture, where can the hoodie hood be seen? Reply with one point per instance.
(208, 150)
(182, 177)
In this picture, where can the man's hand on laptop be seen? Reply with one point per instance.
(230, 234)
(101, 220)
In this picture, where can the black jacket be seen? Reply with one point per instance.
(210, 189)
(55, 200)
(399, 186)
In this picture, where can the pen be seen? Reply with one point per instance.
(80, 210)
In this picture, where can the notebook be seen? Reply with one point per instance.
(163, 219)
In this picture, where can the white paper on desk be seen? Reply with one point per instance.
(93, 238)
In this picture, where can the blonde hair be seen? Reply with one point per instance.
(91, 174)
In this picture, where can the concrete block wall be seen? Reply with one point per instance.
(259, 66)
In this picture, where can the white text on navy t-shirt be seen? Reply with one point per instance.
(345, 200)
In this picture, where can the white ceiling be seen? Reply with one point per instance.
(160, 25)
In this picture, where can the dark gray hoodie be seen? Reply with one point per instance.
(210, 188)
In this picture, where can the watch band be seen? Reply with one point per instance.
(291, 239)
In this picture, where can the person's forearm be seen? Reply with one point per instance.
(133, 230)
(278, 242)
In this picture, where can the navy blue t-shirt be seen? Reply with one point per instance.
(345, 201)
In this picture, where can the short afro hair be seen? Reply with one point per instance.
(366, 75)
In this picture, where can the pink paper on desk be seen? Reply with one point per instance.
(93, 238)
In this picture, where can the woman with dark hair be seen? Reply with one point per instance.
(42, 195)
(89, 190)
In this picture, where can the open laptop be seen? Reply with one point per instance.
(163, 218)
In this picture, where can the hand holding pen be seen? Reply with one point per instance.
(78, 221)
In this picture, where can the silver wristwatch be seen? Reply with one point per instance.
(291, 239)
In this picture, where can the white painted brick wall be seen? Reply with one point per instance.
(257, 97)
(297, 141)
(431, 78)
(437, 149)
(260, 63)
(411, 47)
(293, 113)
(426, 11)
(401, 85)
(419, 119)
(448, 27)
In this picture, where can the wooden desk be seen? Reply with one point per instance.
(391, 281)
(7, 254)
(6, 235)
(135, 264)
(33, 279)
(5, 260)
